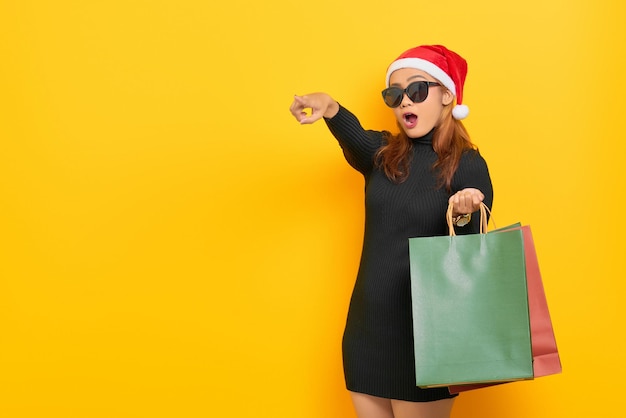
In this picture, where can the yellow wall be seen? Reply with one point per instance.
(173, 243)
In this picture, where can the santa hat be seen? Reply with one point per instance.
(446, 66)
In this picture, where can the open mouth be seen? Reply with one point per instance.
(410, 120)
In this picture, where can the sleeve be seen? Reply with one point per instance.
(473, 172)
(359, 145)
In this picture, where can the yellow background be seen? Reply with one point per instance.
(174, 244)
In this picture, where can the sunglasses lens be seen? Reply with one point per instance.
(418, 91)
(393, 96)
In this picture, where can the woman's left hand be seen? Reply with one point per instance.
(466, 201)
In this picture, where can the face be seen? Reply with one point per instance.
(417, 119)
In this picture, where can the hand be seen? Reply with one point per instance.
(321, 105)
(466, 201)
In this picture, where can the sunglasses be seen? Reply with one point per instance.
(416, 91)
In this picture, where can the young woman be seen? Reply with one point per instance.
(410, 178)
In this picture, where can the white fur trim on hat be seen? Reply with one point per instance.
(426, 66)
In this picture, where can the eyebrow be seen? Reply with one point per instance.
(411, 78)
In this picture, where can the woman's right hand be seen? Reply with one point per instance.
(320, 104)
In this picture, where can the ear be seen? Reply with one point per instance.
(447, 97)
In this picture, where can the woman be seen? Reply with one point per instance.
(410, 178)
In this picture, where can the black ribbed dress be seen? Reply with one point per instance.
(378, 339)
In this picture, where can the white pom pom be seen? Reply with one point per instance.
(460, 111)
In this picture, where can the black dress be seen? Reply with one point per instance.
(378, 339)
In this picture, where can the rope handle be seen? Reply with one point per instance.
(484, 210)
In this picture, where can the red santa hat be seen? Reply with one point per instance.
(446, 66)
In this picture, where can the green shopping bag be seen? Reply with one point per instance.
(470, 307)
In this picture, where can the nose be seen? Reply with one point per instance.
(406, 101)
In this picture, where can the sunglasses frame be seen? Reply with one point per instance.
(415, 99)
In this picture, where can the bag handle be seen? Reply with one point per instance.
(484, 210)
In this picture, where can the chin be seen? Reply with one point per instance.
(416, 132)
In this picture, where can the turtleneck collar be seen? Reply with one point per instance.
(426, 139)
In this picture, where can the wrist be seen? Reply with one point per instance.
(332, 109)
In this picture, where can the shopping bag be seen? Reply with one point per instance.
(546, 360)
(470, 307)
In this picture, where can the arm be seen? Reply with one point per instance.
(471, 186)
(359, 145)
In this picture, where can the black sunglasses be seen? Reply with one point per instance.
(416, 91)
